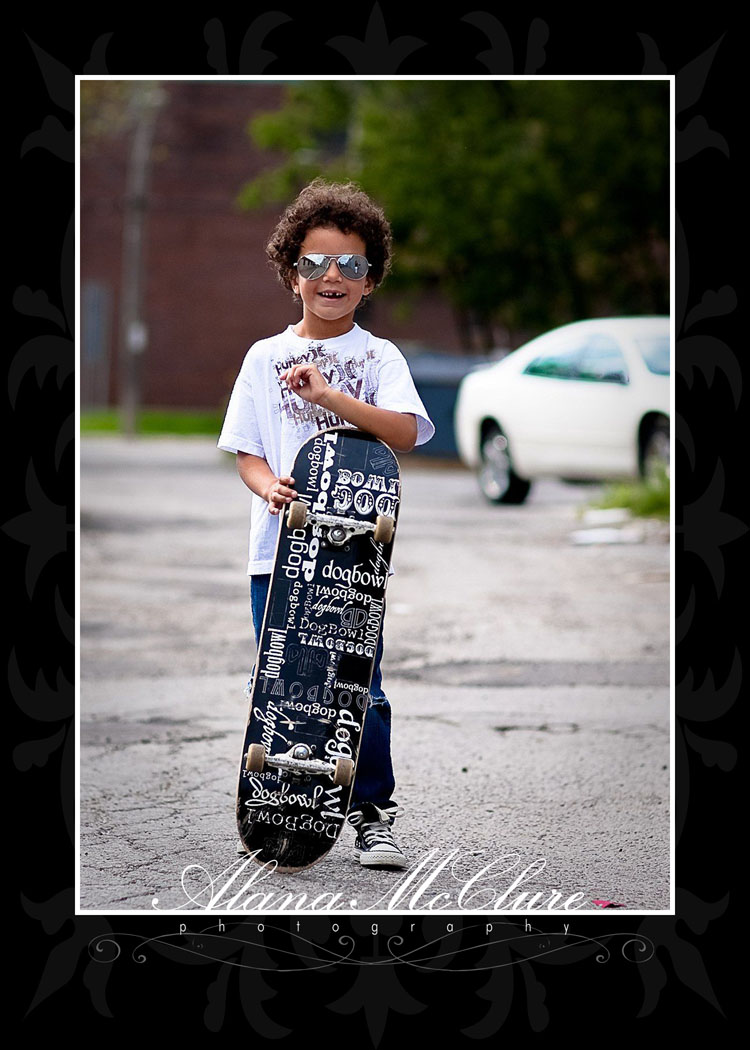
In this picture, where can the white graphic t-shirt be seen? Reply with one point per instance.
(264, 418)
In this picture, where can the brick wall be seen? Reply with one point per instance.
(209, 292)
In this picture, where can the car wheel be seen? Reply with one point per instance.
(655, 453)
(497, 479)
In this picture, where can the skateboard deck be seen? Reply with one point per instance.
(310, 688)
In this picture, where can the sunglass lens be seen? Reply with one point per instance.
(311, 266)
(354, 267)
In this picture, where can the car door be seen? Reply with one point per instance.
(576, 419)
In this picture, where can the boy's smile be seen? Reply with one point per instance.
(329, 302)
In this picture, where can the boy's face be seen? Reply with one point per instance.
(329, 302)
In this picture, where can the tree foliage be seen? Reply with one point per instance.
(527, 203)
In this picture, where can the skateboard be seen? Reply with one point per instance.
(310, 687)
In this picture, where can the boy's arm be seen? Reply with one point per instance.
(261, 480)
(397, 429)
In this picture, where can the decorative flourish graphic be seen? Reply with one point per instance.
(377, 52)
(706, 527)
(381, 954)
(499, 59)
(684, 956)
(485, 946)
(253, 58)
(39, 526)
(43, 529)
(379, 994)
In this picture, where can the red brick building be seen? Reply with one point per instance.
(208, 292)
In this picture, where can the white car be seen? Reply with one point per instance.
(587, 401)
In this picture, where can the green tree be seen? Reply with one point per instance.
(526, 203)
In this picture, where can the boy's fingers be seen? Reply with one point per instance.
(280, 493)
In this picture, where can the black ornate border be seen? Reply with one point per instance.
(628, 968)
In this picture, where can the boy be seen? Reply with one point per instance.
(331, 248)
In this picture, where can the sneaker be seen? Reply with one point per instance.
(374, 846)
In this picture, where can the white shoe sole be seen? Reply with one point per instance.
(381, 860)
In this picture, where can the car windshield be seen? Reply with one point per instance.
(655, 352)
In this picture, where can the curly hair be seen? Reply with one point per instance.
(343, 206)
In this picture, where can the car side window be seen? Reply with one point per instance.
(561, 363)
(602, 361)
(655, 352)
(599, 360)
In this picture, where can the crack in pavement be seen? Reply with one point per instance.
(503, 673)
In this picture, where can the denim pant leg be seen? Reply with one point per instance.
(258, 598)
(374, 781)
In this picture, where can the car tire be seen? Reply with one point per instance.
(497, 479)
(655, 450)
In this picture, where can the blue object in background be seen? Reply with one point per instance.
(436, 377)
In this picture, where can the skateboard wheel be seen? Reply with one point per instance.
(256, 758)
(297, 515)
(343, 772)
(383, 529)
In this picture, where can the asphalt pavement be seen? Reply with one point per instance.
(528, 675)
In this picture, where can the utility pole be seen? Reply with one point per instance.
(147, 99)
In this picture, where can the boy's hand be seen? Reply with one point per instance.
(306, 381)
(279, 493)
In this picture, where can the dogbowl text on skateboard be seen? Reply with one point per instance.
(311, 683)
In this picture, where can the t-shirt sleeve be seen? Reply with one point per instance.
(241, 432)
(397, 392)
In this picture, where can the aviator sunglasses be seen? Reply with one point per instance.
(311, 266)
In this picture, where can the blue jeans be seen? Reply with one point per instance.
(374, 781)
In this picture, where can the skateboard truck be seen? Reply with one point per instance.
(339, 530)
(298, 759)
